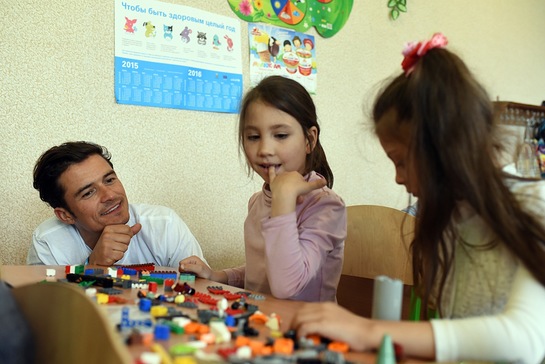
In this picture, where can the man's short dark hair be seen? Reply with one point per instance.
(55, 161)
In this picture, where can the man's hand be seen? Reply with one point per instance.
(113, 243)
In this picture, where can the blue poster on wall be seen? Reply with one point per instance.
(175, 56)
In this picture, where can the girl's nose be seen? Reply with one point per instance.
(265, 148)
(400, 180)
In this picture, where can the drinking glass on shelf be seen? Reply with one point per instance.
(527, 161)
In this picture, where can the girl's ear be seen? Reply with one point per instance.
(64, 215)
(312, 139)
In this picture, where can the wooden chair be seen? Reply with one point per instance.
(68, 327)
(377, 243)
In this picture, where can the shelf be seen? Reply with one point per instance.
(513, 113)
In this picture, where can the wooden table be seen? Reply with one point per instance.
(285, 309)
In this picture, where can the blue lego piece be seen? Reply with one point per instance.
(145, 304)
(161, 332)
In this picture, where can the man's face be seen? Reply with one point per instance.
(95, 197)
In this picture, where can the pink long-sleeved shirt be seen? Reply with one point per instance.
(296, 256)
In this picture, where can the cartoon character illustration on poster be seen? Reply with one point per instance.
(201, 38)
(150, 29)
(261, 40)
(229, 43)
(296, 42)
(129, 25)
(309, 45)
(167, 31)
(306, 51)
(216, 42)
(287, 46)
(289, 57)
(274, 47)
(185, 35)
(305, 57)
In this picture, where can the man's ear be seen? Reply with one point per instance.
(64, 215)
(312, 139)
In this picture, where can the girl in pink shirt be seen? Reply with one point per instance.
(296, 226)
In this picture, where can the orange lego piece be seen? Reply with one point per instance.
(196, 328)
(147, 339)
(192, 327)
(283, 346)
(256, 346)
(203, 329)
(267, 350)
(242, 341)
(259, 318)
(338, 346)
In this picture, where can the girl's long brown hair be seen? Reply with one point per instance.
(452, 141)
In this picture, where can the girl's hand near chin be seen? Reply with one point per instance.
(289, 189)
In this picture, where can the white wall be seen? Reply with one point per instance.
(56, 74)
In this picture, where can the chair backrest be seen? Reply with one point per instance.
(377, 243)
(68, 327)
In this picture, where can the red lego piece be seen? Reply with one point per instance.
(233, 312)
(400, 355)
(216, 290)
(206, 298)
(138, 267)
(116, 299)
(232, 296)
(226, 352)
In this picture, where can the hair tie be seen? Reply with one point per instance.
(413, 51)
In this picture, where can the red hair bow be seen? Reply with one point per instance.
(413, 51)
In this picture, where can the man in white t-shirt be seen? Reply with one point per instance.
(94, 222)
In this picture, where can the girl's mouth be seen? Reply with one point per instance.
(267, 166)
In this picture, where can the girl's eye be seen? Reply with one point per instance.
(281, 136)
(252, 137)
